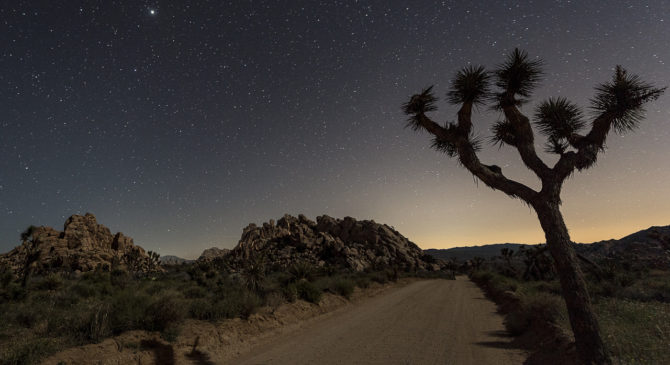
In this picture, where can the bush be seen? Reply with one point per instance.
(290, 292)
(274, 299)
(194, 292)
(119, 278)
(539, 309)
(128, 310)
(99, 326)
(379, 277)
(309, 292)
(344, 287)
(301, 270)
(338, 285)
(363, 282)
(52, 281)
(167, 309)
(27, 351)
(203, 309)
(249, 304)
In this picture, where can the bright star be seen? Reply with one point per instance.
(152, 12)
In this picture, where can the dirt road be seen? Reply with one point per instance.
(426, 322)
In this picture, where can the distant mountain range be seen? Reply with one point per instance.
(469, 252)
(651, 244)
(174, 260)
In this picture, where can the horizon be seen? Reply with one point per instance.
(179, 125)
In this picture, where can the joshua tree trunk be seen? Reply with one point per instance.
(590, 348)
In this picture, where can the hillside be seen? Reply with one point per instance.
(469, 252)
(651, 245)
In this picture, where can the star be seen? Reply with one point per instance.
(153, 12)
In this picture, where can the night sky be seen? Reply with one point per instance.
(180, 122)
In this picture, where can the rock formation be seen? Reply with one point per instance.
(357, 245)
(83, 245)
(213, 253)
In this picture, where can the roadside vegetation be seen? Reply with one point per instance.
(631, 302)
(60, 310)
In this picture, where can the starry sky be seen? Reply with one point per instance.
(180, 122)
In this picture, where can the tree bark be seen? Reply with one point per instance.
(590, 348)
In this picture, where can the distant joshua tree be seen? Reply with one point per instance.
(617, 105)
(507, 254)
(32, 254)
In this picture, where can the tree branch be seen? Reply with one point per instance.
(525, 141)
(459, 137)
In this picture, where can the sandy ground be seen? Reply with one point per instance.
(426, 322)
(410, 322)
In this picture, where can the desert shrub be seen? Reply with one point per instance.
(344, 287)
(194, 292)
(13, 292)
(551, 287)
(26, 316)
(308, 291)
(202, 309)
(379, 277)
(537, 309)
(119, 278)
(290, 292)
(362, 282)
(636, 332)
(171, 333)
(99, 326)
(83, 290)
(52, 281)
(27, 351)
(249, 304)
(128, 310)
(209, 310)
(6, 275)
(274, 299)
(167, 309)
(301, 270)
(74, 322)
(337, 285)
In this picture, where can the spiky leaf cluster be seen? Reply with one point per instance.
(450, 148)
(624, 97)
(503, 133)
(558, 119)
(418, 105)
(470, 85)
(519, 75)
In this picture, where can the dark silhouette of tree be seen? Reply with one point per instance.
(32, 253)
(507, 254)
(477, 263)
(617, 105)
(538, 264)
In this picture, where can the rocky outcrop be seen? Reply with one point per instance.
(213, 253)
(357, 245)
(83, 245)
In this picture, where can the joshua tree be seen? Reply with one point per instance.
(507, 254)
(477, 263)
(617, 105)
(538, 264)
(154, 260)
(32, 254)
